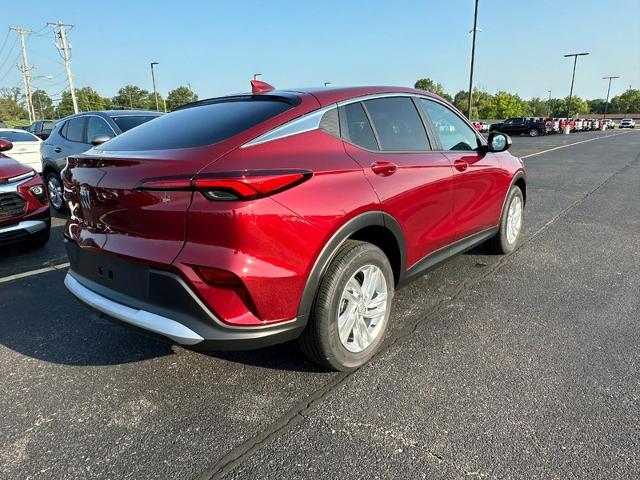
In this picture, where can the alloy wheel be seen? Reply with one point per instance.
(514, 220)
(362, 308)
(55, 192)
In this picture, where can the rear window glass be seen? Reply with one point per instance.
(74, 129)
(18, 137)
(47, 126)
(197, 126)
(129, 121)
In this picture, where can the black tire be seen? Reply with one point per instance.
(52, 179)
(320, 341)
(499, 244)
(40, 239)
(534, 132)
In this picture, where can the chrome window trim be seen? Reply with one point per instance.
(311, 121)
(306, 123)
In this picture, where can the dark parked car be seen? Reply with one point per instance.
(520, 125)
(249, 220)
(24, 209)
(41, 128)
(77, 133)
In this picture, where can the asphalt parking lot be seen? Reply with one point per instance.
(496, 367)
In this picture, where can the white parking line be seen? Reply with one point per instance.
(30, 273)
(571, 145)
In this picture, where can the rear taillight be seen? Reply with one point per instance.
(227, 186)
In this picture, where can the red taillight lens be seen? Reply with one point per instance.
(245, 185)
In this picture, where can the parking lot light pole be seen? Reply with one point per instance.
(155, 91)
(549, 104)
(473, 56)
(256, 75)
(573, 76)
(606, 103)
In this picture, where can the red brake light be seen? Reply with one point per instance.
(245, 185)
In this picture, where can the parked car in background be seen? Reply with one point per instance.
(26, 147)
(24, 209)
(217, 226)
(520, 125)
(627, 123)
(2, 125)
(77, 133)
(41, 128)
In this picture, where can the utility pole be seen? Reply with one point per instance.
(606, 104)
(573, 76)
(153, 79)
(473, 56)
(549, 104)
(26, 72)
(63, 46)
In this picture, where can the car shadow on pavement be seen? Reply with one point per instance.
(69, 334)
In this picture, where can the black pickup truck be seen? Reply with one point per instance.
(519, 125)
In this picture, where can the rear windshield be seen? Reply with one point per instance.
(198, 126)
(18, 137)
(129, 121)
(47, 126)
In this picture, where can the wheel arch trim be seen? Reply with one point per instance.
(363, 220)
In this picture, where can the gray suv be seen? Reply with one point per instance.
(78, 133)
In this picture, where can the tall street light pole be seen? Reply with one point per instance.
(606, 104)
(155, 91)
(473, 55)
(256, 75)
(549, 104)
(573, 76)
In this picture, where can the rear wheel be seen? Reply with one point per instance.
(54, 191)
(510, 229)
(534, 132)
(351, 311)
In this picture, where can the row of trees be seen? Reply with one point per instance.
(13, 106)
(504, 104)
(485, 105)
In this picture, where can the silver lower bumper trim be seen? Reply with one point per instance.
(139, 318)
(31, 226)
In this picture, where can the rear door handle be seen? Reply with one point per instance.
(384, 168)
(57, 149)
(460, 165)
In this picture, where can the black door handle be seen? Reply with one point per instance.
(57, 149)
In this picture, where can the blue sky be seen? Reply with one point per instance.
(216, 46)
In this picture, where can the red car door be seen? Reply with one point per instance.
(479, 182)
(387, 137)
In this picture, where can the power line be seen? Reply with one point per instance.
(15, 42)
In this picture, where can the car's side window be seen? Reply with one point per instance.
(453, 132)
(397, 124)
(356, 127)
(74, 130)
(98, 126)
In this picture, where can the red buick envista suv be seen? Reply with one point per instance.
(249, 220)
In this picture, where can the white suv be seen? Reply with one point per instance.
(627, 123)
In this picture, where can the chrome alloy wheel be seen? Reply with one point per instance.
(55, 192)
(514, 220)
(362, 309)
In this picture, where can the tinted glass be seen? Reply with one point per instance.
(128, 122)
(18, 137)
(98, 126)
(197, 126)
(358, 129)
(453, 132)
(74, 129)
(47, 126)
(397, 124)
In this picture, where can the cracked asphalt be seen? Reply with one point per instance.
(523, 366)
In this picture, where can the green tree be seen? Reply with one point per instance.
(88, 100)
(132, 96)
(596, 105)
(43, 105)
(628, 102)
(12, 104)
(578, 107)
(508, 105)
(537, 107)
(180, 96)
(433, 87)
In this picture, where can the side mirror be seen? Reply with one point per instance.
(498, 142)
(99, 140)
(5, 145)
